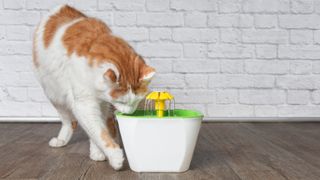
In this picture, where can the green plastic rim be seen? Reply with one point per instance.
(179, 113)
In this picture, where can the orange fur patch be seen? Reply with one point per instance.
(74, 125)
(34, 50)
(93, 39)
(111, 124)
(65, 15)
(108, 140)
(146, 70)
(111, 75)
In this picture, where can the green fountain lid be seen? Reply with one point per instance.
(178, 113)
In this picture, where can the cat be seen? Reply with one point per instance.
(85, 71)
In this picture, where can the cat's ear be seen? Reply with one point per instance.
(147, 73)
(110, 76)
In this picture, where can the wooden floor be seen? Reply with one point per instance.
(224, 151)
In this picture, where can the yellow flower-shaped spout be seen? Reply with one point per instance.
(159, 98)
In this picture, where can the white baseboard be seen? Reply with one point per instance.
(216, 119)
(29, 119)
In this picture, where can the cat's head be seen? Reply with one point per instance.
(127, 84)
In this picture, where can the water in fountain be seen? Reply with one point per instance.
(149, 109)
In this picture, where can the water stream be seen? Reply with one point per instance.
(149, 108)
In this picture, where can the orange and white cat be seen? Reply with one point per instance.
(85, 70)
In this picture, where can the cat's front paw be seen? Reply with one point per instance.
(55, 142)
(116, 158)
(97, 156)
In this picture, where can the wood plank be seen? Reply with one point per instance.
(22, 151)
(224, 151)
(252, 156)
(10, 132)
(244, 156)
(286, 136)
(204, 166)
(310, 130)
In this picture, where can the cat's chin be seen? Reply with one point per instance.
(124, 108)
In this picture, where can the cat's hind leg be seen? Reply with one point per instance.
(68, 124)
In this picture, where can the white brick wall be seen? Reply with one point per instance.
(226, 58)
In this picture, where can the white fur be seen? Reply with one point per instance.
(66, 130)
(79, 92)
(95, 153)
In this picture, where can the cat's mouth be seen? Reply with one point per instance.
(124, 108)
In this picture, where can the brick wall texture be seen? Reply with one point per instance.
(226, 58)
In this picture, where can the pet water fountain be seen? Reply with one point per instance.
(159, 138)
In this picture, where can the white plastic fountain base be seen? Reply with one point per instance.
(159, 144)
